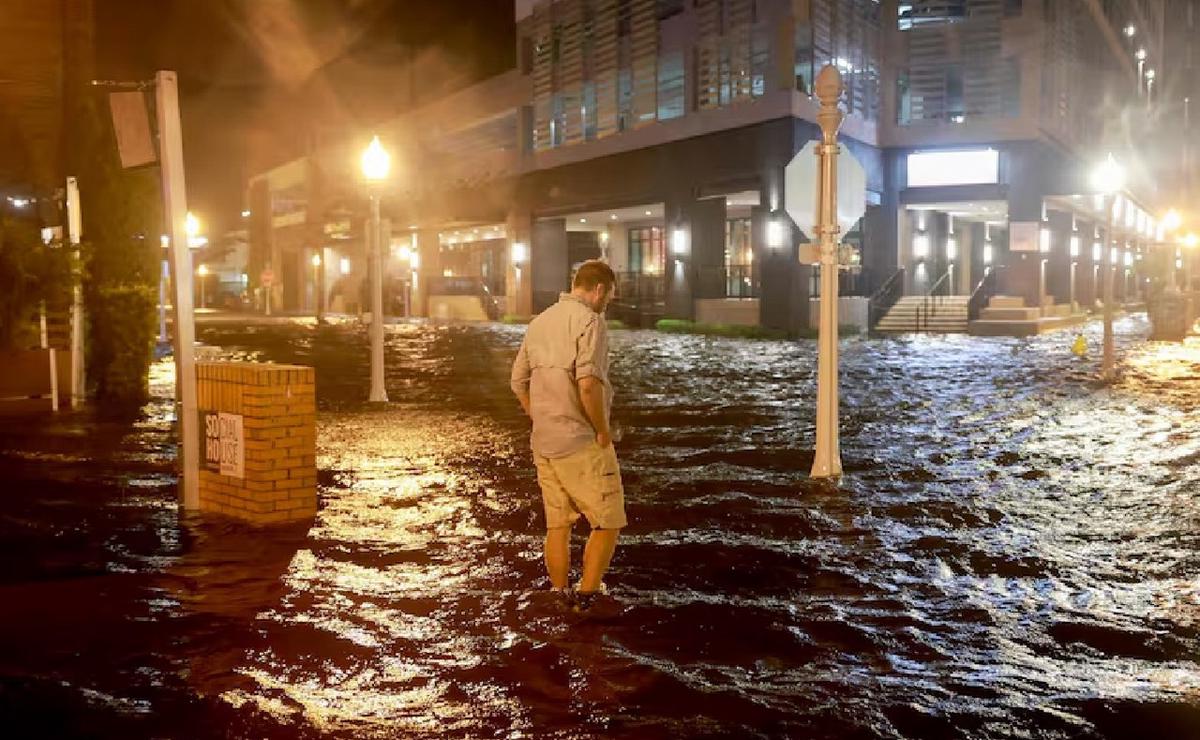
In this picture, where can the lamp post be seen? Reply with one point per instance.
(376, 163)
(827, 460)
(1108, 178)
(202, 272)
(317, 292)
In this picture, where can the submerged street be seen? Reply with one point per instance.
(1012, 552)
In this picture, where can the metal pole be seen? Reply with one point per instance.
(78, 314)
(827, 462)
(163, 282)
(375, 243)
(1106, 365)
(175, 209)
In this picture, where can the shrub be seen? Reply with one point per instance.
(30, 273)
(122, 333)
(511, 318)
(680, 326)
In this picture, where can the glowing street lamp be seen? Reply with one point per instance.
(376, 164)
(1108, 178)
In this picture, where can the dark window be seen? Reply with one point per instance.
(526, 53)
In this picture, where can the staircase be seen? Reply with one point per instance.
(943, 314)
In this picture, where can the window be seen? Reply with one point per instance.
(670, 85)
(739, 260)
(646, 253)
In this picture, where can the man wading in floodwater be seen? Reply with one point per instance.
(561, 378)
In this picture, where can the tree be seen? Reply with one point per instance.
(122, 217)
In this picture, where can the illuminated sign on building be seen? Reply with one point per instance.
(965, 167)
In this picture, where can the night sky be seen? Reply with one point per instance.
(256, 74)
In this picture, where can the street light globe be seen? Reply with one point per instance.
(1109, 176)
(1191, 240)
(316, 260)
(191, 225)
(404, 253)
(1149, 74)
(1130, 30)
(1141, 55)
(376, 162)
(202, 271)
(1171, 221)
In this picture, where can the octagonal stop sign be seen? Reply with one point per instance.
(801, 185)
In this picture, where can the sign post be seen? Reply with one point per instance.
(825, 195)
(175, 211)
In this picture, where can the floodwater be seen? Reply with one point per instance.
(1013, 552)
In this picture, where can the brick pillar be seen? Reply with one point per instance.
(268, 473)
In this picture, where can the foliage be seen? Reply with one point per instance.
(616, 324)
(510, 318)
(122, 347)
(121, 220)
(679, 326)
(30, 273)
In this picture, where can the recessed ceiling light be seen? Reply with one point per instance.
(613, 217)
(583, 220)
(647, 213)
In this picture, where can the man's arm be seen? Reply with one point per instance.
(591, 350)
(591, 394)
(520, 378)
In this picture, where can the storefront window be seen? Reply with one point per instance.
(739, 259)
(647, 255)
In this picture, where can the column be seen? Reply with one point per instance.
(428, 266)
(548, 267)
(518, 278)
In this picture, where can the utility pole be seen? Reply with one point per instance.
(78, 317)
(170, 146)
(827, 463)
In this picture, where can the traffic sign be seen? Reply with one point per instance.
(266, 277)
(800, 183)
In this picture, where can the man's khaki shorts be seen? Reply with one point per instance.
(587, 482)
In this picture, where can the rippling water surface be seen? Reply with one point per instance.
(1013, 552)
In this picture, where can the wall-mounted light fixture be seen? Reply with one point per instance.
(951, 248)
(1096, 251)
(775, 235)
(920, 246)
(679, 245)
(344, 265)
(1074, 245)
(1044, 240)
(520, 253)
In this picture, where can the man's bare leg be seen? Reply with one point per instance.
(558, 556)
(596, 556)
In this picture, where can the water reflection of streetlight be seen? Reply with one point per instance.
(376, 164)
(1108, 178)
(316, 263)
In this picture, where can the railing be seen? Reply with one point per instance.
(639, 288)
(882, 300)
(929, 305)
(982, 294)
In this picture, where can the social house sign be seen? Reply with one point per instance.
(223, 443)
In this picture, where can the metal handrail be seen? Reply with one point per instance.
(929, 294)
(882, 300)
(984, 290)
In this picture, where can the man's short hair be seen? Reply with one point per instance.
(593, 273)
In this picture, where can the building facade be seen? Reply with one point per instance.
(655, 133)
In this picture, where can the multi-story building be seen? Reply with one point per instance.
(655, 133)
